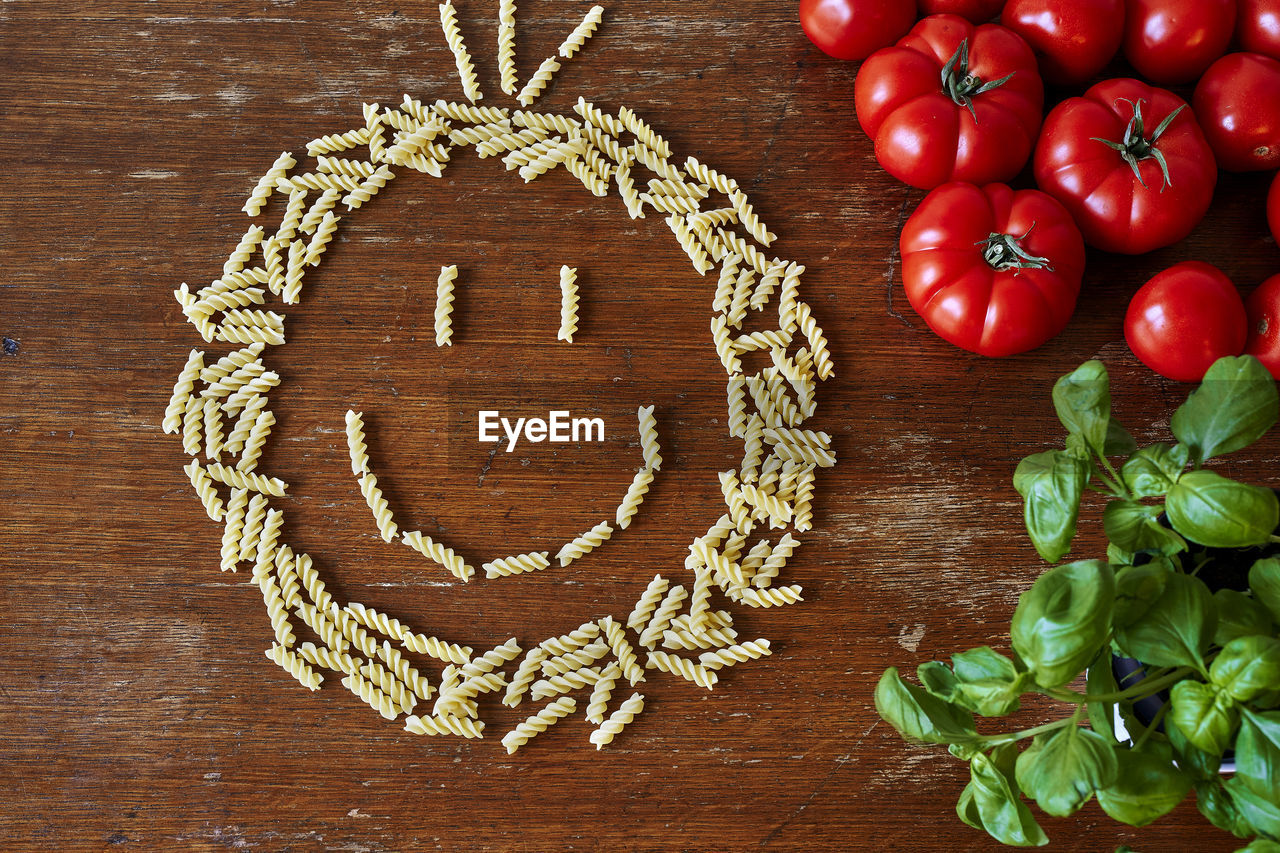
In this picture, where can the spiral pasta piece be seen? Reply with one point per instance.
(600, 693)
(700, 600)
(685, 639)
(335, 142)
(576, 39)
(329, 659)
(507, 45)
(817, 341)
(524, 676)
(622, 650)
(234, 526)
(575, 680)
(533, 88)
(742, 291)
(478, 133)
(173, 413)
(371, 695)
(804, 499)
(737, 653)
(293, 664)
(446, 724)
(438, 554)
(661, 618)
(243, 250)
(689, 242)
(618, 720)
(193, 426)
(461, 58)
(357, 448)
(538, 723)
(649, 599)
(627, 187)
(212, 430)
(320, 240)
(568, 304)
(724, 345)
(444, 305)
(249, 334)
(575, 639)
(256, 440)
(560, 153)
(584, 544)
(249, 415)
(684, 668)
(635, 496)
(532, 562)
(369, 187)
(649, 446)
(387, 527)
(389, 684)
(577, 659)
(287, 576)
(510, 142)
(436, 648)
(242, 480)
(203, 484)
(491, 660)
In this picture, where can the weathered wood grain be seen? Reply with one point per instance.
(139, 711)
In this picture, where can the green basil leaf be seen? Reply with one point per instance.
(1264, 582)
(1062, 621)
(1207, 717)
(1138, 588)
(936, 677)
(1082, 400)
(990, 802)
(917, 715)
(1119, 441)
(1261, 845)
(1233, 407)
(1136, 527)
(1177, 627)
(1260, 810)
(1100, 680)
(1247, 667)
(1065, 770)
(1208, 508)
(1239, 616)
(1153, 470)
(1216, 804)
(1200, 764)
(1258, 751)
(1147, 786)
(1051, 484)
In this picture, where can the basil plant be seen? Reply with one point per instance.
(1190, 591)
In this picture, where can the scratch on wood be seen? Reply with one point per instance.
(893, 265)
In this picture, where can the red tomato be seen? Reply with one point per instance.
(1258, 27)
(951, 102)
(990, 269)
(1273, 208)
(1141, 188)
(1184, 319)
(1237, 103)
(1073, 39)
(974, 11)
(1263, 308)
(855, 29)
(1174, 41)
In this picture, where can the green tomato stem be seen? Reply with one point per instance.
(1012, 737)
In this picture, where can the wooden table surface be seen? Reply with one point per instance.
(139, 711)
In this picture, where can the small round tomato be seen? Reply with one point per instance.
(1184, 319)
(1130, 189)
(992, 270)
(1258, 27)
(974, 11)
(1237, 103)
(1273, 209)
(1073, 39)
(855, 29)
(951, 102)
(1263, 308)
(1174, 41)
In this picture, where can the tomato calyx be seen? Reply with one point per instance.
(1136, 146)
(962, 86)
(1005, 252)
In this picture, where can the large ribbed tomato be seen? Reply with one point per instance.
(1074, 39)
(1174, 41)
(951, 102)
(1237, 104)
(993, 270)
(1130, 189)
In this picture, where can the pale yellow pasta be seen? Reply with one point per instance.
(600, 693)
(469, 112)
(671, 204)
(277, 611)
(386, 681)
(444, 725)
(747, 216)
(224, 300)
(357, 448)
(609, 146)
(726, 572)
(444, 305)
(258, 386)
(618, 720)
(192, 426)
(243, 250)
(418, 110)
(737, 504)
(725, 284)
(708, 219)
(644, 133)
(322, 205)
(592, 180)
(700, 600)
(768, 284)
(627, 189)
(713, 619)
(649, 599)
(685, 639)
(568, 305)
(575, 639)
(368, 188)
(371, 695)
(478, 133)
(248, 335)
(584, 544)
(436, 648)
(737, 653)
(576, 39)
(575, 680)
(287, 573)
(329, 659)
(742, 290)
(234, 526)
(244, 424)
(532, 562)
(752, 449)
(533, 88)
(510, 142)
(293, 664)
(554, 156)
(817, 341)
(684, 668)
(655, 162)
(524, 676)
(750, 254)
(622, 650)
(461, 58)
(507, 45)
(438, 554)
(689, 243)
(352, 630)
(766, 506)
(387, 527)
(772, 596)
(551, 122)
(804, 453)
(649, 446)
(345, 166)
(788, 298)
(266, 546)
(520, 157)
(724, 345)
(243, 480)
(577, 659)
(274, 263)
(491, 660)
(538, 723)
(213, 434)
(335, 142)
(201, 322)
(320, 240)
(252, 317)
(255, 442)
(661, 618)
(635, 496)
(764, 339)
(173, 414)
(252, 529)
(293, 214)
(203, 484)
(330, 181)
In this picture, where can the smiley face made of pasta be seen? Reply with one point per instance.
(219, 408)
